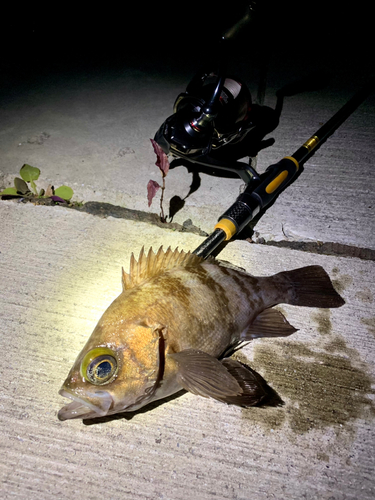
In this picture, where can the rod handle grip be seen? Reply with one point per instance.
(252, 200)
(275, 179)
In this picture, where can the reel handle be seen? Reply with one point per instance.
(235, 30)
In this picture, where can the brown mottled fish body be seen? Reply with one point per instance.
(172, 325)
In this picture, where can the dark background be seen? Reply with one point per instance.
(58, 37)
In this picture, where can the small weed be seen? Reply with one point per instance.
(25, 187)
(153, 186)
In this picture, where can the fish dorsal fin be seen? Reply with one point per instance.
(153, 264)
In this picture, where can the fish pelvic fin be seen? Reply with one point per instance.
(268, 323)
(227, 381)
(308, 286)
(255, 390)
(153, 264)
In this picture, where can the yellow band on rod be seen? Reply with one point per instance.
(311, 143)
(228, 227)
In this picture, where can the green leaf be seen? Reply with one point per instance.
(65, 192)
(9, 191)
(21, 186)
(29, 173)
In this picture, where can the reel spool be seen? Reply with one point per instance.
(233, 107)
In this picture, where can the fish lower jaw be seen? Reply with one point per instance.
(81, 408)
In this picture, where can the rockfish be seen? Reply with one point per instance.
(173, 327)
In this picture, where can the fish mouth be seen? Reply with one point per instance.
(83, 408)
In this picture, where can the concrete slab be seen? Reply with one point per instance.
(61, 268)
(91, 132)
(86, 119)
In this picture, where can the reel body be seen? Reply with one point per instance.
(233, 107)
(213, 112)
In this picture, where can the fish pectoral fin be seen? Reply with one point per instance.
(204, 375)
(254, 388)
(269, 323)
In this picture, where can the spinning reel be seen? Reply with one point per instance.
(214, 112)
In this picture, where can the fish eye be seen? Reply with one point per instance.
(99, 366)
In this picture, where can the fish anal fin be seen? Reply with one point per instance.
(268, 323)
(204, 375)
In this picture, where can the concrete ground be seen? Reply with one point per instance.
(84, 118)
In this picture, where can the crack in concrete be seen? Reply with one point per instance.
(108, 210)
(101, 209)
(326, 248)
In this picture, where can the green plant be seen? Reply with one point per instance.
(153, 186)
(29, 175)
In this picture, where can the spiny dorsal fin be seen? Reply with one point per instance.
(151, 265)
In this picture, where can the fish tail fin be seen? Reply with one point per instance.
(308, 286)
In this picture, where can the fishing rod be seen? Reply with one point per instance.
(263, 189)
(214, 122)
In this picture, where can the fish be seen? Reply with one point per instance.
(175, 325)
